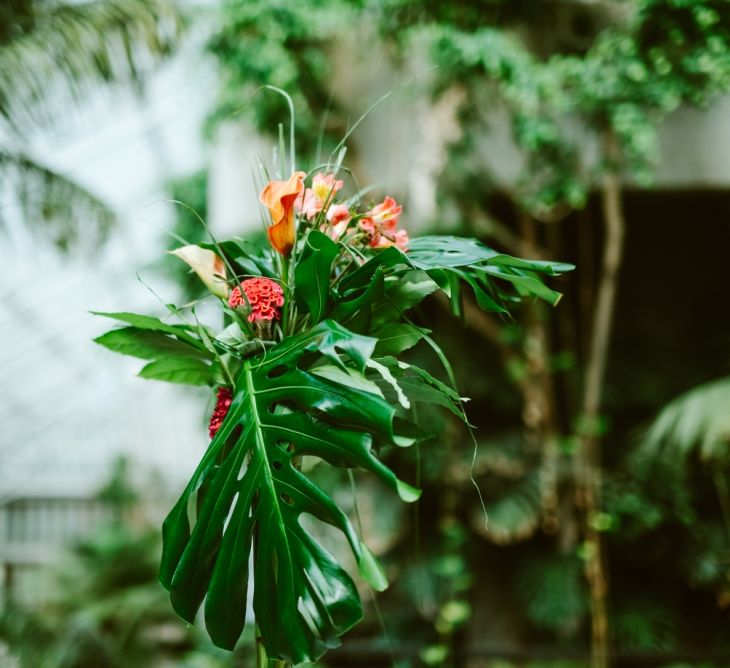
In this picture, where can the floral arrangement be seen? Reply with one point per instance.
(306, 363)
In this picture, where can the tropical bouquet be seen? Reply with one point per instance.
(305, 362)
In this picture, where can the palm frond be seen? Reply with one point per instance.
(63, 211)
(515, 514)
(552, 591)
(644, 625)
(71, 47)
(696, 421)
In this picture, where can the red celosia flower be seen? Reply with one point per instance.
(263, 297)
(221, 410)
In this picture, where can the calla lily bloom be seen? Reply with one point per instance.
(208, 266)
(279, 197)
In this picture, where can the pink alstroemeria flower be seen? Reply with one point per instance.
(338, 218)
(380, 225)
(320, 195)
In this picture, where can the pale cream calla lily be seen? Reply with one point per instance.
(208, 266)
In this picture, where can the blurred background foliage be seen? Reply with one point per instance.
(53, 55)
(602, 426)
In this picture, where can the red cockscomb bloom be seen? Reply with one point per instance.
(221, 410)
(264, 297)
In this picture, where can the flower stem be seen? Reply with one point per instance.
(263, 661)
(288, 292)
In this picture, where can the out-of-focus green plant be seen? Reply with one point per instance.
(692, 432)
(52, 56)
(288, 45)
(552, 591)
(695, 423)
(104, 607)
(636, 72)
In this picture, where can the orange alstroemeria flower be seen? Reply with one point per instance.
(279, 197)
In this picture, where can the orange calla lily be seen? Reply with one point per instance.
(279, 197)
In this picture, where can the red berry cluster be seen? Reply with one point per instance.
(221, 410)
(264, 297)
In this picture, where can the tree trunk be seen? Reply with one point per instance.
(589, 462)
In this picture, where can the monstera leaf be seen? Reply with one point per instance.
(248, 492)
(393, 282)
(450, 260)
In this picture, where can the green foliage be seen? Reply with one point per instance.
(59, 52)
(515, 514)
(287, 45)
(697, 421)
(643, 624)
(448, 259)
(320, 392)
(103, 605)
(55, 203)
(312, 276)
(71, 47)
(636, 72)
(147, 345)
(552, 591)
(393, 282)
(283, 409)
(177, 355)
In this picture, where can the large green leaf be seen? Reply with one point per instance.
(359, 279)
(395, 337)
(248, 491)
(152, 324)
(442, 262)
(418, 385)
(478, 265)
(312, 274)
(361, 293)
(184, 370)
(147, 344)
(446, 251)
(177, 356)
(401, 294)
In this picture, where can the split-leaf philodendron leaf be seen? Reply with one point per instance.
(248, 489)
